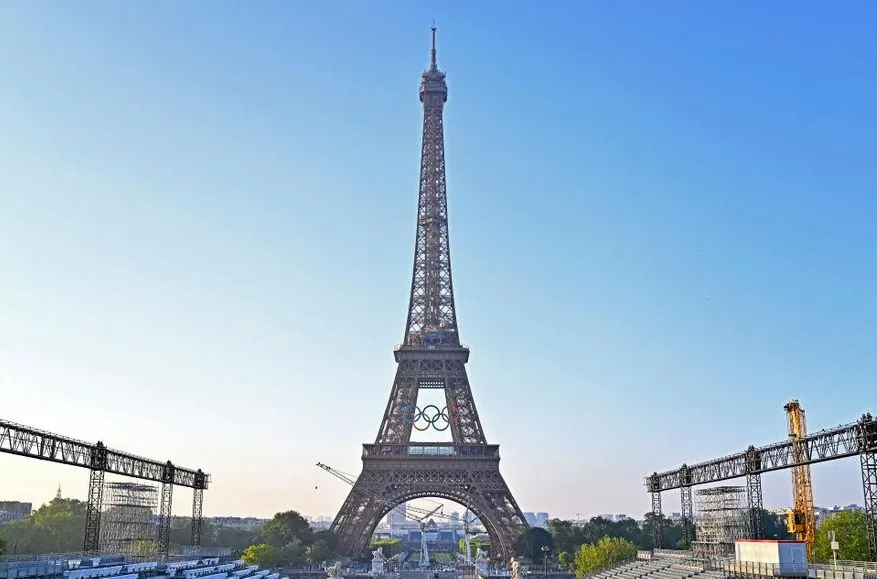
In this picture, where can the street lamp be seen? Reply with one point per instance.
(545, 551)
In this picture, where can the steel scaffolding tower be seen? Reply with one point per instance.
(720, 519)
(127, 526)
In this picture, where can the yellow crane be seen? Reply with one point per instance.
(801, 520)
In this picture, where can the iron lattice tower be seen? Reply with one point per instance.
(395, 469)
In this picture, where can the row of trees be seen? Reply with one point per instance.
(59, 527)
(851, 530)
(288, 539)
(599, 542)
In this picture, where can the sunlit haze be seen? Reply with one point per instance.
(661, 221)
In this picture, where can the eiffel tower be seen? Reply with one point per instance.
(395, 469)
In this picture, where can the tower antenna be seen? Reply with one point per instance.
(433, 64)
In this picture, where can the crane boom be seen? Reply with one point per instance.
(802, 518)
(424, 513)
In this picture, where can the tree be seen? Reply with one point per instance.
(671, 533)
(531, 541)
(262, 555)
(2, 546)
(606, 551)
(775, 526)
(390, 547)
(288, 529)
(56, 527)
(566, 560)
(325, 546)
(851, 530)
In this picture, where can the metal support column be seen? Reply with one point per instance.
(654, 486)
(755, 502)
(687, 516)
(98, 464)
(657, 526)
(869, 482)
(868, 455)
(754, 498)
(687, 506)
(93, 511)
(197, 506)
(164, 510)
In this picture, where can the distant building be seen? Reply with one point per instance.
(536, 519)
(398, 516)
(247, 523)
(320, 522)
(14, 510)
(614, 517)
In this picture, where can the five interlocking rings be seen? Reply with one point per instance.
(429, 416)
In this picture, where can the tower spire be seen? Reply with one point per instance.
(433, 66)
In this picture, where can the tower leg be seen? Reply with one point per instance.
(756, 506)
(164, 519)
(687, 516)
(657, 527)
(93, 511)
(197, 505)
(869, 483)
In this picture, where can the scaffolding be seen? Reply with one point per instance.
(127, 523)
(720, 519)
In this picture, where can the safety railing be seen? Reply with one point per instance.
(432, 450)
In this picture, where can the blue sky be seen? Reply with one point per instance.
(661, 226)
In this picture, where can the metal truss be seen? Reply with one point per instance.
(825, 445)
(423, 369)
(93, 510)
(197, 507)
(755, 504)
(869, 482)
(657, 525)
(868, 435)
(432, 316)
(34, 443)
(754, 498)
(687, 516)
(164, 511)
(395, 470)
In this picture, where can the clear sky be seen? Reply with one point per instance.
(662, 229)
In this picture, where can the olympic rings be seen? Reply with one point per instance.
(430, 416)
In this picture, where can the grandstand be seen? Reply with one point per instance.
(118, 567)
(672, 564)
(670, 567)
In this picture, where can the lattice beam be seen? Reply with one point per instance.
(41, 445)
(825, 445)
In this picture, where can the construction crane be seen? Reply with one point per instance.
(424, 551)
(801, 520)
(425, 514)
(466, 522)
(349, 479)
